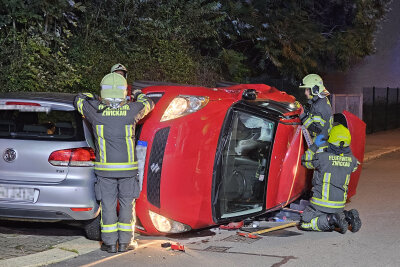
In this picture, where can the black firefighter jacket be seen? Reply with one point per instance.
(331, 177)
(318, 120)
(114, 133)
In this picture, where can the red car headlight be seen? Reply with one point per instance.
(183, 105)
(165, 225)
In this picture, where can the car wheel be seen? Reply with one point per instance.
(92, 229)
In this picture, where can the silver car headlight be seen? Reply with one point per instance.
(165, 225)
(183, 105)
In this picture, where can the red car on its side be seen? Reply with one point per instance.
(217, 155)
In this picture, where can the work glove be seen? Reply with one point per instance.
(302, 114)
(136, 93)
(88, 96)
(319, 140)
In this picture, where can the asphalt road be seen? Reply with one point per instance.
(376, 244)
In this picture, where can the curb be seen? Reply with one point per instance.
(60, 252)
(380, 152)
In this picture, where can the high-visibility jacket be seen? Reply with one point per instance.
(114, 133)
(318, 120)
(331, 177)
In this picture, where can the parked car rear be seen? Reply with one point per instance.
(46, 169)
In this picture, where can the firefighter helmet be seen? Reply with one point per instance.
(339, 136)
(113, 89)
(316, 85)
(119, 67)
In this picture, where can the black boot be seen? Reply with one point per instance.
(129, 246)
(109, 248)
(353, 219)
(338, 220)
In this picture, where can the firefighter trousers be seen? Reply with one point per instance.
(117, 226)
(314, 220)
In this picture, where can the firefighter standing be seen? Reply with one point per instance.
(332, 169)
(113, 121)
(121, 69)
(318, 119)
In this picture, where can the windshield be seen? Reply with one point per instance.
(243, 165)
(56, 125)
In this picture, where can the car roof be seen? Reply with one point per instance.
(40, 96)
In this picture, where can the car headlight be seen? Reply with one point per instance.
(183, 105)
(165, 225)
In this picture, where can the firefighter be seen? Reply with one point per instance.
(113, 121)
(121, 69)
(332, 169)
(318, 118)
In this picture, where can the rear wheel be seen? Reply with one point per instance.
(92, 229)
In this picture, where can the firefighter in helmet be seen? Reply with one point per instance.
(113, 121)
(121, 69)
(332, 169)
(318, 118)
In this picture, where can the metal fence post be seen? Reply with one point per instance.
(387, 109)
(373, 109)
(398, 108)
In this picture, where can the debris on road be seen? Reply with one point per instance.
(178, 246)
(166, 245)
(232, 225)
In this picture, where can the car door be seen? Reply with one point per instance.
(357, 130)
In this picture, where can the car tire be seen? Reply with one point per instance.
(92, 229)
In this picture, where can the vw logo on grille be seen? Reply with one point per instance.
(9, 155)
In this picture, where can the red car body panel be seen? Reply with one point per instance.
(287, 178)
(186, 182)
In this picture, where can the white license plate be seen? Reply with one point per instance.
(17, 193)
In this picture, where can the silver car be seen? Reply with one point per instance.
(46, 164)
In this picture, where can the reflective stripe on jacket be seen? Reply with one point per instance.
(319, 119)
(114, 133)
(331, 178)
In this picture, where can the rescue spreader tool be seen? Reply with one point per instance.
(307, 136)
(255, 235)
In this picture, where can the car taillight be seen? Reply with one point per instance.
(74, 157)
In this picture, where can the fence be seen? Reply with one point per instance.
(350, 102)
(381, 108)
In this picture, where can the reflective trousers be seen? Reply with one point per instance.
(117, 226)
(314, 220)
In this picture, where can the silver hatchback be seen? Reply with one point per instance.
(46, 164)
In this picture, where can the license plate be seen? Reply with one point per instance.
(17, 193)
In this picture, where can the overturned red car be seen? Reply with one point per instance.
(217, 155)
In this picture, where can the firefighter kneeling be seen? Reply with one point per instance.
(333, 167)
(113, 121)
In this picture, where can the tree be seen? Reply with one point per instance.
(63, 45)
(34, 36)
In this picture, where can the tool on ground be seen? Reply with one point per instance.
(307, 135)
(254, 235)
(178, 246)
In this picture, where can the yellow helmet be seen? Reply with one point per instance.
(339, 134)
(316, 85)
(113, 85)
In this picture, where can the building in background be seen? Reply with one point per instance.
(370, 87)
